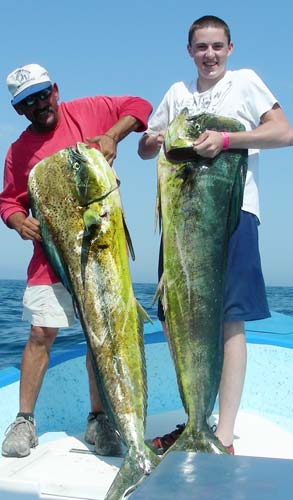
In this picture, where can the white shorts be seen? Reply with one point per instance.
(48, 305)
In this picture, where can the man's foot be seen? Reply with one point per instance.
(103, 435)
(20, 438)
(162, 444)
(90, 431)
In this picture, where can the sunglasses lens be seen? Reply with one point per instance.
(31, 100)
(45, 94)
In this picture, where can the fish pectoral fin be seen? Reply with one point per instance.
(143, 315)
(158, 212)
(128, 238)
(159, 294)
(91, 218)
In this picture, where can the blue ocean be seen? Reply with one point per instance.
(14, 332)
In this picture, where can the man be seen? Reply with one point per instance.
(103, 122)
(241, 95)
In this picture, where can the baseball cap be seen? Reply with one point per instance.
(27, 80)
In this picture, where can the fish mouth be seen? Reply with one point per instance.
(178, 155)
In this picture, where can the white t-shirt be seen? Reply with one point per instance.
(239, 94)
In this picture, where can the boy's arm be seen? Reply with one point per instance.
(149, 145)
(272, 132)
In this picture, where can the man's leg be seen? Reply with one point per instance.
(99, 430)
(34, 364)
(232, 380)
(95, 400)
(22, 434)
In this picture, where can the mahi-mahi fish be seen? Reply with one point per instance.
(74, 195)
(199, 202)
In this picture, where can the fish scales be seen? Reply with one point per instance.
(68, 191)
(199, 203)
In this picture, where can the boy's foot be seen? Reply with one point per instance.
(103, 435)
(20, 438)
(162, 444)
(229, 449)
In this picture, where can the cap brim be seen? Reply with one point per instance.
(32, 89)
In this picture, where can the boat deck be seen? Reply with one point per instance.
(64, 467)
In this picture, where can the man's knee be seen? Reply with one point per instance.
(42, 336)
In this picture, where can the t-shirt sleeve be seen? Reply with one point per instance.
(13, 198)
(172, 103)
(161, 117)
(133, 106)
(99, 113)
(258, 99)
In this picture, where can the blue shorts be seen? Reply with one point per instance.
(245, 293)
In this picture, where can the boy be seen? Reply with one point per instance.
(241, 95)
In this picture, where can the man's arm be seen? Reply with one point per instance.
(132, 115)
(109, 140)
(272, 132)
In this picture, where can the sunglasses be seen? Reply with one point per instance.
(42, 96)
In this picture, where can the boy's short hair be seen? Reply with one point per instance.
(205, 22)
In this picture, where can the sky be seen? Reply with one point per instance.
(139, 48)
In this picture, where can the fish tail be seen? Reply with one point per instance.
(136, 467)
(203, 441)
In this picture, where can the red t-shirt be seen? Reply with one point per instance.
(78, 120)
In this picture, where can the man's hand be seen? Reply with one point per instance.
(107, 146)
(27, 227)
(30, 229)
(209, 144)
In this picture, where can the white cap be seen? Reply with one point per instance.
(27, 80)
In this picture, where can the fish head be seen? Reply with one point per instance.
(178, 139)
(91, 182)
(185, 129)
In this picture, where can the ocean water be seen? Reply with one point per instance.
(14, 332)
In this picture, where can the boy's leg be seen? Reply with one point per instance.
(232, 380)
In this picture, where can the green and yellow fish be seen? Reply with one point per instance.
(75, 196)
(199, 205)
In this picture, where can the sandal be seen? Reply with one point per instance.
(163, 443)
